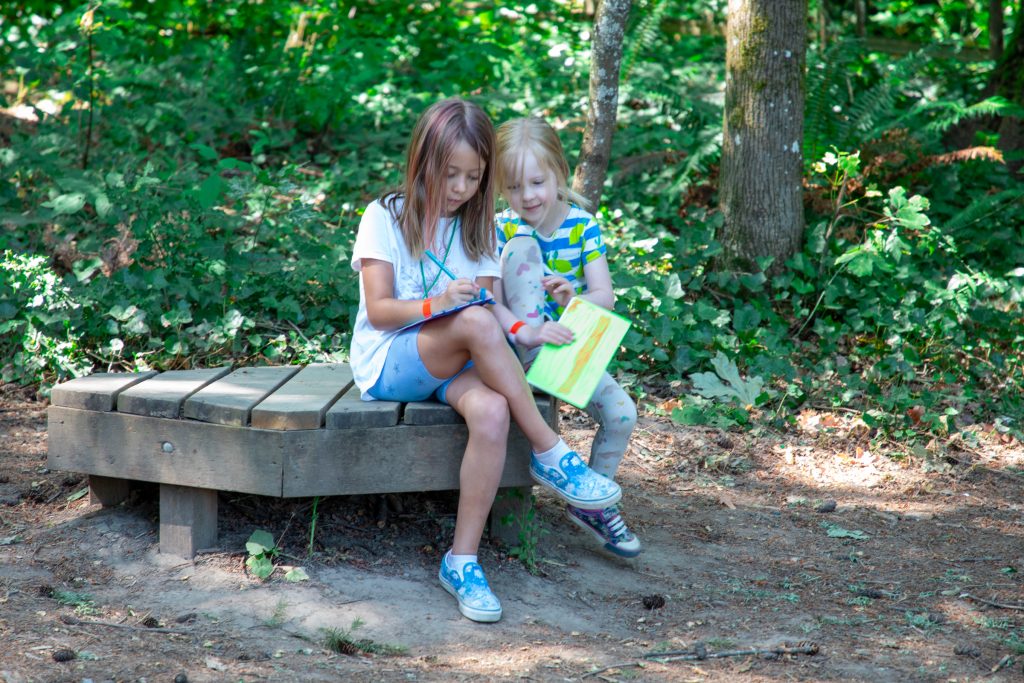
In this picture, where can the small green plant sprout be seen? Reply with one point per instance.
(343, 642)
(528, 530)
(262, 551)
(82, 602)
(836, 531)
(278, 616)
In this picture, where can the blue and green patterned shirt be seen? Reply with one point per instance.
(575, 243)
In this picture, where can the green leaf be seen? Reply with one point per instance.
(80, 493)
(836, 531)
(674, 290)
(260, 542)
(209, 191)
(296, 574)
(260, 566)
(85, 268)
(66, 203)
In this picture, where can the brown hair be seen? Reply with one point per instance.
(439, 130)
(517, 137)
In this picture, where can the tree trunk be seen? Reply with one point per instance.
(762, 161)
(1008, 81)
(822, 25)
(995, 29)
(605, 63)
(860, 8)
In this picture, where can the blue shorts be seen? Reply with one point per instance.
(405, 378)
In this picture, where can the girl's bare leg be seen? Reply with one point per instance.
(486, 414)
(446, 344)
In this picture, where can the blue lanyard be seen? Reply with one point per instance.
(423, 274)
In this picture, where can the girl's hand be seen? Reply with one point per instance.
(548, 333)
(459, 292)
(560, 289)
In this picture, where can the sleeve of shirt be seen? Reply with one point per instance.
(593, 244)
(488, 266)
(372, 239)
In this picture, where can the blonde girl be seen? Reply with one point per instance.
(551, 251)
(445, 210)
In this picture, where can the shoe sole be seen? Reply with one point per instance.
(470, 613)
(581, 503)
(629, 554)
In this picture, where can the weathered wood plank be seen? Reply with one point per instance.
(167, 451)
(303, 401)
(163, 395)
(96, 392)
(351, 412)
(188, 520)
(229, 400)
(434, 413)
(430, 413)
(108, 491)
(328, 462)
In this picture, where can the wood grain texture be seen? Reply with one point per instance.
(108, 491)
(387, 460)
(351, 412)
(166, 451)
(303, 400)
(96, 392)
(188, 520)
(229, 400)
(430, 413)
(164, 394)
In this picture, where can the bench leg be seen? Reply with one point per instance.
(108, 491)
(512, 516)
(188, 519)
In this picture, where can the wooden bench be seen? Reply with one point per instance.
(286, 431)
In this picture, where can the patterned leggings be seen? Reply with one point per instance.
(611, 407)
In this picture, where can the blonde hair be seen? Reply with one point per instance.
(438, 132)
(515, 138)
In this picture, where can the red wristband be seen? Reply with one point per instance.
(515, 327)
(426, 308)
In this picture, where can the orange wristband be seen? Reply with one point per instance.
(426, 308)
(515, 327)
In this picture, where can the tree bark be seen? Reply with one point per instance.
(995, 29)
(605, 64)
(761, 194)
(860, 8)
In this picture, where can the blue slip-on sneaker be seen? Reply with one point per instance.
(576, 483)
(608, 528)
(476, 601)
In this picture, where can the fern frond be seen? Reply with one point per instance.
(874, 110)
(824, 80)
(645, 34)
(956, 112)
(982, 208)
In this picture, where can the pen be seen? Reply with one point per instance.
(444, 269)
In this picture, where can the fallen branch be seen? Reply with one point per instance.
(700, 653)
(989, 602)
(72, 621)
(623, 665)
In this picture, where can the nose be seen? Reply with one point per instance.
(459, 184)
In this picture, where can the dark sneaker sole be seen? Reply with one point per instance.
(615, 550)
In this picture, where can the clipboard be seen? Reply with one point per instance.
(487, 300)
(571, 372)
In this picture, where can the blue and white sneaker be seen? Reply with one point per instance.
(576, 483)
(608, 528)
(476, 601)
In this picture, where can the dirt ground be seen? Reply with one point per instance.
(915, 575)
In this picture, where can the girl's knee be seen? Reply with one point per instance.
(487, 414)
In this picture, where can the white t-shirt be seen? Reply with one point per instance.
(380, 238)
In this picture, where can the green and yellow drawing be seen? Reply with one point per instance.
(571, 372)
